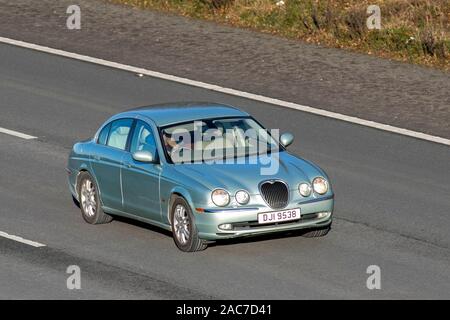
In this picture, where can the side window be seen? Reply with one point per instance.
(103, 136)
(119, 133)
(143, 138)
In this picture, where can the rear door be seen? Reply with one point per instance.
(106, 161)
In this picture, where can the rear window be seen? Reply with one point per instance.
(119, 133)
(103, 136)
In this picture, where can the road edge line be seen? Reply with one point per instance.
(16, 134)
(229, 91)
(21, 240)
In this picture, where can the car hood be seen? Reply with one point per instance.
(291, 169)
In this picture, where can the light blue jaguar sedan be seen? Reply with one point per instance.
(203, 171)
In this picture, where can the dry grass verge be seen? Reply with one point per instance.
(417, 31)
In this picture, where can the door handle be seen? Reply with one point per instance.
(96, 157)
(127, 164)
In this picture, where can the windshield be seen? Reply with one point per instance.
(216, 139)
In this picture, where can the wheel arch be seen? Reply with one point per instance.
(178, 192)
(85, 168)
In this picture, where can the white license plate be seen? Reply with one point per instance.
(277, 216)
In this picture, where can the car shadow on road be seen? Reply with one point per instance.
(133, 222)
(218, 243)
(221, 242)
(144, 225)
(259, 238)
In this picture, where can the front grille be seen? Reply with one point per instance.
(275, 193)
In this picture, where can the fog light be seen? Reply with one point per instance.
(226, 226)
(321, 215)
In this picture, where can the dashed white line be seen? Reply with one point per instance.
(256, 97)
(21, 240)
(17, 134)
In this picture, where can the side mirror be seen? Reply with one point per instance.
(144, 156)
(286, 139)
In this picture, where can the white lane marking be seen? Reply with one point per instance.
(22, 240)
(17, 134)
(256, 97)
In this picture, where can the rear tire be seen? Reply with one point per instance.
(75, 201)
(184, 230)
(315, 233)
(90, 205)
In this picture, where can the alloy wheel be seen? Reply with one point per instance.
(181, 224)
(88, 198)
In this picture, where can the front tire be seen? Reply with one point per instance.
(184, 230)
(90, 206)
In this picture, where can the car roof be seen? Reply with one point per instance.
(172, 113)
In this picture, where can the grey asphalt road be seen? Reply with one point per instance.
(392, 202)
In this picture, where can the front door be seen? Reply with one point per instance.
(140, 181)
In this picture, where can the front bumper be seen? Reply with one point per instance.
(245, 220)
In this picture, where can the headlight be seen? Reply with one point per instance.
(220, 197)
(305, 189)
(320, 185)
(242, 197)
